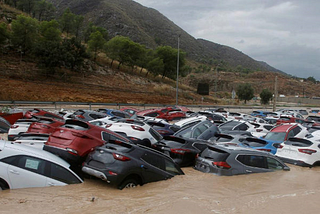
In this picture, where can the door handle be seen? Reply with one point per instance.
(51, 184)
(14, 172)
(248, 171)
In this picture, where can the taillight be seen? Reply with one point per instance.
(221, 165)
(14, 126)
(138, 128)
(266, 150)
(197, 155)
(307, 151)
(133, 138)
(163, 132)
(80, 116)
(259, 130)
(108, 125)
(179, 151)
(120, 157)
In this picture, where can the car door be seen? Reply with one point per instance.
(25, 171)
(154, 169)
(253, 163)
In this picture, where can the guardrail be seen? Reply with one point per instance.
(90, 106)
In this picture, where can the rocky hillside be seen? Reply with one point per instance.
(149, 27)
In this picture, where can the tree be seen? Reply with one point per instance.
(4, 34)
(155, 66)
(67, 21)
(312, 79)
(169, 57)
(24, 32)
(245, 92)
(44, 10)
(49, 31)
(265, 96)
(91, 29)
(96, 43)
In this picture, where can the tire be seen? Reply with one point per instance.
(128, 184)
(3, 186)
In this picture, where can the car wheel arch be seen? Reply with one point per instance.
(132, 177)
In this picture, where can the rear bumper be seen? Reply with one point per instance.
(95, 173)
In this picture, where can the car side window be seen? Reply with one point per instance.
(253, 161)
(153, 114)
(291, 134)
(61, 174)
(296, 130)
(171, 167)
(274, 164)
(154, 160)
(196, 133)
(32, 164)
(242, 127)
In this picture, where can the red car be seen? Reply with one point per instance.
(12, 117)
(75, 139)
(39, 112)
(288, 119)
(130, 110)
(45, 125)
(163, 113)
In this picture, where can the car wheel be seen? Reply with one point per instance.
(2, 186)
(128, 184)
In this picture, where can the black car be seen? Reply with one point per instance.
(232, 160)
(127, 165)
(180, 145)
(181, 150)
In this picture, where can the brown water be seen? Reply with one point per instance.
(295, 191)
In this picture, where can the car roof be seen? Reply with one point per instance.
(283, 127)
(19, 149)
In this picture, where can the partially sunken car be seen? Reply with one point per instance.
(233, 160)
(128, 165)
(23, 167)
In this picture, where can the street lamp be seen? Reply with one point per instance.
(177, 85)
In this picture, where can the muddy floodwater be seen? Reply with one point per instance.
(294, 191)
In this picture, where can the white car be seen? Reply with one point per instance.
(19, 127)
(102, 122)
(32, 139)
(23, 167)
(137, 131)
(188, 121)
(301, 151)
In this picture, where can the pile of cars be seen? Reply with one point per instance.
(130, 147)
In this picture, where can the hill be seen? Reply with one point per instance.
(149, 27)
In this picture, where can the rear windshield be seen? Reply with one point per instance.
(229, 125)
(276, 136)
(214, 154)
(254, 142)
(298, 142)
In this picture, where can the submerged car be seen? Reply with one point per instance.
(44, 125)
(19, 127)
(74, 140)
(301, 152)
(128, 165)
(232, 160)
(23, 167)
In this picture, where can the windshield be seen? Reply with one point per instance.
(275, 136)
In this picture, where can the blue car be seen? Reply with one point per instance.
(165, 129)
(260, 144)
(259, 113)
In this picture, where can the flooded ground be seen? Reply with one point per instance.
(295, 191)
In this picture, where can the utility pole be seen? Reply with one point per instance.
(215, 82)
(177, 86)
(275, 93)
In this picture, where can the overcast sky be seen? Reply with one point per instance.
(284, 34)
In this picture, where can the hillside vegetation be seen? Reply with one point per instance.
(101, 79)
